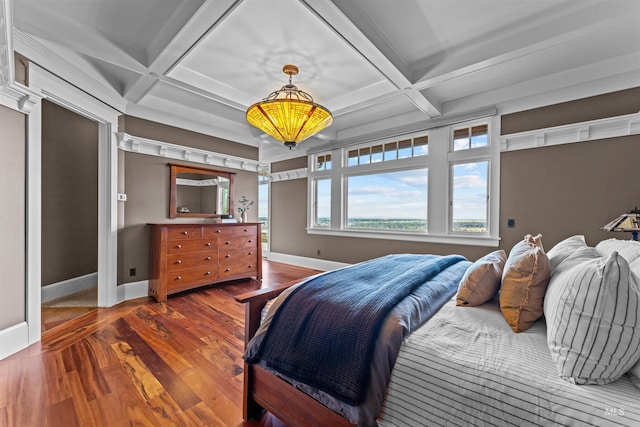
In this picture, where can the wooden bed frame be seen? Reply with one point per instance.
(265, 391)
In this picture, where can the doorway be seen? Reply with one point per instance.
(69, 262)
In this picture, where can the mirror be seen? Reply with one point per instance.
(200, 192)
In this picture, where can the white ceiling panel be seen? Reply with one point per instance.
(247, 51)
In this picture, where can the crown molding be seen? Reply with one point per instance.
(610, 127)
(201, 182)
(12, 94)
(6, 40)
(135, 144)
(59, 66)
(289, 175)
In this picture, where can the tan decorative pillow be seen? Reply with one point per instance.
(524, 283)
(481, 281)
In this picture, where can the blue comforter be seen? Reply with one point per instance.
(323, 334)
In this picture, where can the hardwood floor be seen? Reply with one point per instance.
(143, 363)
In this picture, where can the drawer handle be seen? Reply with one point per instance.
(208, 258)
(250, 266)
(227, 256)
(185, 232)
(208, 244)
(218, 231)
(179, 278)
(250, 241)
(179, 246)
(227, 243)
(250, 253)
(208, 273)
(246, 229)
(228, 269)
(178, 262)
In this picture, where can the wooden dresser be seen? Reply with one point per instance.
(187, 256)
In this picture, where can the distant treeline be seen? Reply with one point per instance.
(469, 225)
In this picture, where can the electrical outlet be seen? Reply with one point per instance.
(132, 272)
(318, 252)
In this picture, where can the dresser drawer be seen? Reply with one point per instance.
(247, 230)
(207, 260)
(237, 242)
(193, 276)
(238, 267)
(216, 231)
(195, 245)
(186, 232)
(229, 256)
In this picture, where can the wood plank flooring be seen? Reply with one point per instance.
(142, 363)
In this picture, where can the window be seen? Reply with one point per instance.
(471, 137)
(263, 211)
(323, 162)
(469, 197)
(323, 202)
(432, 186)
(375, 153)
(388, 201)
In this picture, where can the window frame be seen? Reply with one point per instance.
(438, 162)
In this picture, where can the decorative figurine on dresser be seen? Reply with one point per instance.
(184, 256)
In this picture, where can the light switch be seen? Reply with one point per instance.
(122, 197)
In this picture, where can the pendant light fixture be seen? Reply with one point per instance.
(289, 114)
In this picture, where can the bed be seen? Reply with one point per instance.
(466, 365)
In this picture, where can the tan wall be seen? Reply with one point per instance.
(12, 217)
(581, 110)
(69, 194)
(21, 66)
(161, 132)
(146, 183)
(569, 189)
(557, 191)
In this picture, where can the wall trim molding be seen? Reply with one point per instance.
(132, 290)
(69, 286)
(318, 264)
(152, 147)
(289, 175)
(13, 339)
(610, 127)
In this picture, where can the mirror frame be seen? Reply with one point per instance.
(175, 169)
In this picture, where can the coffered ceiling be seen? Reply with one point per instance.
(379, 66)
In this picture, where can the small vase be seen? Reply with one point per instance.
(243, 217)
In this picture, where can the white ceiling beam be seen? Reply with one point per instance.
(458, 64)
(64, 31)
(328, 13)
(56, 64)
(201, 24)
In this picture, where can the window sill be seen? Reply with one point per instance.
(488, 241)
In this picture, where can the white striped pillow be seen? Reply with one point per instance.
(564, 249)
(593, 326)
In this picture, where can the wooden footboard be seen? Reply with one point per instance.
(263, 390)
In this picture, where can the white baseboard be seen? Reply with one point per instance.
(68, 287)
(318, 264)
(13, 339)
(132, 290)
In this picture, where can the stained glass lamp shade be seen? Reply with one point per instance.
(289, 114)
(628, 221)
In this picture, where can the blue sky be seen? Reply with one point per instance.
(403, 194)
